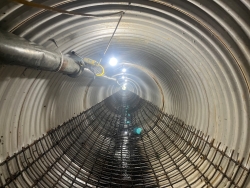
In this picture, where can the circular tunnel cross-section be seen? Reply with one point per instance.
(180, 119)
(124, 141)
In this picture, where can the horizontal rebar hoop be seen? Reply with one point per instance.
(100, 148)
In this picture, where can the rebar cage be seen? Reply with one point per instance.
(124, 141)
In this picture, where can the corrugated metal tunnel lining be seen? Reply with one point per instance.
(190, 58)
(102, 147)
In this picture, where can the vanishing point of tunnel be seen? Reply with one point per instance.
(115, 93)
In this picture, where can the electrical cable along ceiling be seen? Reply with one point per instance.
(189, 59)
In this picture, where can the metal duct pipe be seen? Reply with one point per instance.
(15, 50)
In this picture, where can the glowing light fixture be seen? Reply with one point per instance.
(124, 70)
(123, 77)
(124, 87)
(113, 61)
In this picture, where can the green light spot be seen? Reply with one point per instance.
(138, 130)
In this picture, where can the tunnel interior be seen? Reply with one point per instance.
(187, 72)
(124, 141)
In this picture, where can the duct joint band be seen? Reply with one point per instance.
(61, 62)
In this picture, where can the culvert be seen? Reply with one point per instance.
(190, 59)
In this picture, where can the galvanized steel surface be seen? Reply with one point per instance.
(101, 147)
(15, 50)
(197, 51)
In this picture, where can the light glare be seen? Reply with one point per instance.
(124, 87)
(124, 70)
(113, 61)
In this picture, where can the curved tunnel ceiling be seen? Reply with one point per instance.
(190, 58)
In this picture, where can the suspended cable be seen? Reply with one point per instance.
(111, 37)
(98, 64)
(37, 5)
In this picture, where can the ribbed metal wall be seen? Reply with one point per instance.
(124, 141)
(190, 58)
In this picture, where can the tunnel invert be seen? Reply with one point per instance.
(124, 141)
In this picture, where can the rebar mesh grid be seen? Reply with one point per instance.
(101, 147)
